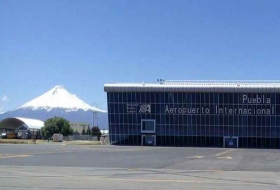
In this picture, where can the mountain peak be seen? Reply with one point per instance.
(58, 86)
(59, 98)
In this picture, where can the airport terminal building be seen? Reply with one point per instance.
(195, 113)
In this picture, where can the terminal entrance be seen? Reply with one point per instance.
(231, 142)
(148, 140)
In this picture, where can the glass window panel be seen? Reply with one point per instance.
(277, 120)
(152, 97)
(274, 132)
(193, 98)
(116, 97)
(157, 97)
(189, 98)
(219, 130)
(203, 120)
(207, 120)
(244, 131)
(162, 99)
(198, 120)
(235, 131)
(277, 109)
(120, 129)
(231, 120)
(226, 97)
(134, 97)
(273, 98)
(175, 98)
(189, 119)
(148, 125)
(204, 130)
(268, 120)
(263, 120)
(221, 98)
(180, 119)
(259, 131)
(254, 121)
(197, 98)
(179, 98)
(211, 130)
(268, 131)
(111, 96)
(148, 97)
(216, 97)
(277, 98)
(143, 97)
(121, 118)
(124, 96)
(226, 120)
(202, 98)
(138, 97)
(129, 97)
(250, 120)
(273, 121)
(121, 99)
(207, 98)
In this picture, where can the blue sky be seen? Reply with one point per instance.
(84, 44)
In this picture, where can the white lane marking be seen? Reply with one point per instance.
(32, 154)
(224, 152)
(15, 156)
(28, 173)
(106, 178)
(196, 157)
(228, 157)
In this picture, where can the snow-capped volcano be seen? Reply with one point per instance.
(59, 102)
(59, 98)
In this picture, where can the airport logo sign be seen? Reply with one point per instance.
(140, 108)
(145, 108)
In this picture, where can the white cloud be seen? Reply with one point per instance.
(3, 100)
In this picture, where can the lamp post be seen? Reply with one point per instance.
(93, 113)
(93, 119)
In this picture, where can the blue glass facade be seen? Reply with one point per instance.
(200, 119)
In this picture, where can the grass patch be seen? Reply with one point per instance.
(82, 142)
(16, 141)
(30, 141)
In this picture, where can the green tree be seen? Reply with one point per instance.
(88, 131)
(96, 132)
(84, 131)
(57, 125)
(38, 134)
(43, 132)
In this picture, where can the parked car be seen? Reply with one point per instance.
(4, 135)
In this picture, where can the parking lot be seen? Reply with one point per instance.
(56, 166)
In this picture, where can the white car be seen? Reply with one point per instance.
(3, 135)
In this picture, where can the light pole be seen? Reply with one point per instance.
(93, 119)
(94, 113)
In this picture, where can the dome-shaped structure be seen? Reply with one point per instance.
(15, 123)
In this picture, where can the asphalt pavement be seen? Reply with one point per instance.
(56, 166)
